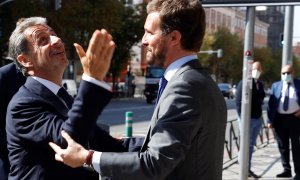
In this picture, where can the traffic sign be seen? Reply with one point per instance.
(220, 3)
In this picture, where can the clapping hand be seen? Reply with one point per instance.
(96, 60)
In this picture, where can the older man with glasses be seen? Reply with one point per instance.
(284, 117)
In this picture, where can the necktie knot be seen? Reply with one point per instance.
(162, 84)
(62, 93)
(286, 98)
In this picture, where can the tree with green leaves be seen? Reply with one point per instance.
(76, 20)
(229, 67)
(9, 15)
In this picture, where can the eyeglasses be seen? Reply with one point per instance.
(286, 73)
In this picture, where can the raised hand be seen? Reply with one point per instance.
(96, 60)
(74, 155)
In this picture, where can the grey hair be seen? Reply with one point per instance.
(18, 43)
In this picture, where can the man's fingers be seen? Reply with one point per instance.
(109, 52)
(55, 147)
(103, 39)
(58, 158)
(79, 50)
(66, 136)
(94, 41)
(99, 43)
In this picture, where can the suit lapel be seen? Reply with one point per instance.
(297, 87)
(278, 90)
(48, 96)
(194, 64)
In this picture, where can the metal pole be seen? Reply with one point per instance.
(246, 94)
(288, 35)
(128, 124)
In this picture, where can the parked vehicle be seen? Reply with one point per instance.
(153, 75)
(226, 90)
(233, 89)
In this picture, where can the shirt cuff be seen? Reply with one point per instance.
(96, 161)
(97, 82)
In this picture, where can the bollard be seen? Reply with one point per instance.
(128, 124)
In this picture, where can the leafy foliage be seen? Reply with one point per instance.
(76, 20)
(228, 68)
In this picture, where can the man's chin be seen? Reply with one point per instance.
(150, 62)
(64, 59)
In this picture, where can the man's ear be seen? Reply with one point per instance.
(24, 61)
(175, 37)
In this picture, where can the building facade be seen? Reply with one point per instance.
(234, 19)
(296, 50)
(274, 16)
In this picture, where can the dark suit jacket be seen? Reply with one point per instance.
(36, 116)
(276, 96)
(186, 135)
(257, 99)
(10, 82)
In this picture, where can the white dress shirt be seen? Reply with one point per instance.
(55, 88)
(293, 99)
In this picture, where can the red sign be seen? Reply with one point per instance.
(248, 53)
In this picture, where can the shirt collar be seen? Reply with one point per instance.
(286, 83)
(173, 67)
(50, 85)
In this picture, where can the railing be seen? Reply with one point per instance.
(232, 140)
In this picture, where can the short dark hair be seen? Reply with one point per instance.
(185, 16)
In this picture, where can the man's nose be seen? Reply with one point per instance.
(55, 40)
(144, 40)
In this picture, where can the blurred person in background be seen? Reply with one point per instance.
(258, 95)
(284, 117)
(11, 79)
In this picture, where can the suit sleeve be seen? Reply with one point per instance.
(37, 122)
(271, 105)
(179, 111)
(104, 142)
(238, 99)
(263, 91)
(2, 102)
(3, 107)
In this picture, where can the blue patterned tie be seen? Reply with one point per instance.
(162, 84)
(62, 93)
(286, 98)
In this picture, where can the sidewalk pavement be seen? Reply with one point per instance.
(265, 162)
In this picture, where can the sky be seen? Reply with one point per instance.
(296, 29)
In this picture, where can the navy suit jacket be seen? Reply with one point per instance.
(36, 116)
(10, 81)
(186, 136)
(276, 96)
(257, 99)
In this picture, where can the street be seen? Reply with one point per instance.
(114, 115)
